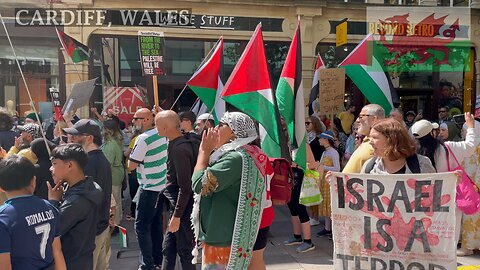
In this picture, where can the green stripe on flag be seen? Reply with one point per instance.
(259, 108)
(370, 89)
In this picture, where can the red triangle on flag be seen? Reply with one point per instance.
(359, 55)
(251, 72)
(319, 64)
(207, 75)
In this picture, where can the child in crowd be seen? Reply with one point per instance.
(79, 207)
(29, 226)
(330, 161)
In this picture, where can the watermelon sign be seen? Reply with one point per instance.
(124, 101)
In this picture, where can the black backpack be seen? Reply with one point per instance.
(412, 163)
(194, 141)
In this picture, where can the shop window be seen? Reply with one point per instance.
(183, 56)
(40, 67)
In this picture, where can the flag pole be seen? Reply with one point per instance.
(32, 103)
(201, 63)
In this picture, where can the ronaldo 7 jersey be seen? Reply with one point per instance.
(28, 226)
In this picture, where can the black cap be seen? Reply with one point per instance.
(84, 127)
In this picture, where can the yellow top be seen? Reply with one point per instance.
(363, 153)
(27, 152)
(347, 119)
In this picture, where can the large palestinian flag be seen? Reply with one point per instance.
(249, 90)
(206, 82)
(371, 80)
(291, 103)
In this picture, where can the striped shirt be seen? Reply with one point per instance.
(150, 152)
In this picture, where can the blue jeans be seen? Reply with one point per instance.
(149, 228)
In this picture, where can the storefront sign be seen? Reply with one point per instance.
(332, 93)
(418, 38)
(171, 17)
(124, 101)
(394, 222)
(57, 108)
(150, 45)
(341, 34)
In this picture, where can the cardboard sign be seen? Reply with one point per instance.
(394, 221)
(150, 45)
(57, 108)
(80, 95)
(332, 90)
(124, 101)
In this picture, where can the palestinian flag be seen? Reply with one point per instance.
(76, 50)
(371, 80)
(316, 79)
(249, 90)
(206, 82)
(291, 103)
(122, 236)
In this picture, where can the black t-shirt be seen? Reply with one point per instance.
(180, 165)
(100, 170)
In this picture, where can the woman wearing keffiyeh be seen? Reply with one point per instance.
(229, 184)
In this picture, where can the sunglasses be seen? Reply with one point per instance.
(138, 118)
(308, 123)
(442, 111)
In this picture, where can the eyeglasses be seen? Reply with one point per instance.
(363, 115)
(137, 118)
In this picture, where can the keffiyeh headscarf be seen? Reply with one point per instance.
(244, 129)
(250, 197)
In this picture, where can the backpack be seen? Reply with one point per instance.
(194, 141)
(412, 163)
(282, 181)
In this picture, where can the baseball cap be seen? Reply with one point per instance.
(32, 129)
(84, 127)
(205, 116)
(422, 127)
(411, 113)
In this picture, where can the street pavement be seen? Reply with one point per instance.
(277, 256)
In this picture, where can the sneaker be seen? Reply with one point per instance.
(305, 247)
(324, 233)
(464, 252)
(314, 222)
(293, 241)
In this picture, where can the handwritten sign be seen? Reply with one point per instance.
(57, 108)
(394, 221)
(150, 45)
(332, 90)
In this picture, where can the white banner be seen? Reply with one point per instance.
(385, 222)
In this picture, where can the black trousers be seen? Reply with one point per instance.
(181, 242)
(295, 208)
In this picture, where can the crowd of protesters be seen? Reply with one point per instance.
(212, 181)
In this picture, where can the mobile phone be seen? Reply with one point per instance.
(459, 119)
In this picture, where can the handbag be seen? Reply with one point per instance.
(468, 196)
(310, 192)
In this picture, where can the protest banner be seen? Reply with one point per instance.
(332, 96)
(57, 108)
(150, 45)
(124, 101)
(80, 95)
(385, 222)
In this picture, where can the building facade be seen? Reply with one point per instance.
(116, 58)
